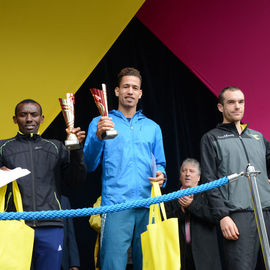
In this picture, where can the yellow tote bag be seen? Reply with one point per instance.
(160, 243)
(17, 239)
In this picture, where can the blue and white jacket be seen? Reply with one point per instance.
(126, 159)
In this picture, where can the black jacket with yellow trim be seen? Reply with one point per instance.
(224, 152)
(49, 163)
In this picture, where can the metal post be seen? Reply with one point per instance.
(251, 175)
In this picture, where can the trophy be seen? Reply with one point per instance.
(67, 106)
(100, 97)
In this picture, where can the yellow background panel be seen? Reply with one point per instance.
(49, 47)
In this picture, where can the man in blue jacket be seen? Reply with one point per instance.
(127, 170)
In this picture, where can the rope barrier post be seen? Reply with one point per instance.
(251, 175)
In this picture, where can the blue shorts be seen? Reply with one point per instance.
(48, 245)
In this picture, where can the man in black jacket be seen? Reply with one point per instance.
(228, 149)
(49, 163)
(197, 229)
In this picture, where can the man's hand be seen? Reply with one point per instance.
(80, 134)
(105, 123)
(185, 201)
(160, 178)
(4, 168)
(229, 229)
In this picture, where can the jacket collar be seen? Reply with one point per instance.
(30, 136)
(231, 127)
(137, 115)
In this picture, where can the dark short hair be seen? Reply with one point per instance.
(128, 71)
(229, 88)
(25, 101)
(193, 162)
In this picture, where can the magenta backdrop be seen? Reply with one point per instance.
(224, 42)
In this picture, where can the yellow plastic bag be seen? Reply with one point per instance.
(95, 223)
(160, 243)
(17, 239)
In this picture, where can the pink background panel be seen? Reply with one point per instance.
(224, 42)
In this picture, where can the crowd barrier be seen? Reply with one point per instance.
(112, 208)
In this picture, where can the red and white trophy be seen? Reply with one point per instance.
(100, 97)
(67, 106)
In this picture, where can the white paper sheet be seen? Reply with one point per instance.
(9, 176)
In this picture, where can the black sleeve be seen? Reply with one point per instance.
(200, 209)
(173, 209)
(9, 201)
(2, 163)
(209, 173)
(73, 166)
(267, 155)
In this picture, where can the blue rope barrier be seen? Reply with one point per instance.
(112, 208)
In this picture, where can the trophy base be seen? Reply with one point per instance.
(72, 145)
(109, 134)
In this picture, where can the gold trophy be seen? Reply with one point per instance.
(67, 106)
(100, 97)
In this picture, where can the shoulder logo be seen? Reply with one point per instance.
(255, 136)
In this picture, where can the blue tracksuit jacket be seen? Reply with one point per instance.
(126, 159)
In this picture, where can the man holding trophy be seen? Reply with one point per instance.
(49, 163)
(127, 170)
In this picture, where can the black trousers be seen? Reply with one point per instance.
(242, 254)
(187, 262)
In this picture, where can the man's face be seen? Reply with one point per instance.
(129, 92)
(28, 118)
(189, 175)
(233, 106)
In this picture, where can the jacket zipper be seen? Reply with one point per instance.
(133, 155)
(33, 181)
(245, 150)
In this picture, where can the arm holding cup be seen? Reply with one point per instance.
(105, 124)
(105, 128)
(72, 142)
(80, 134)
